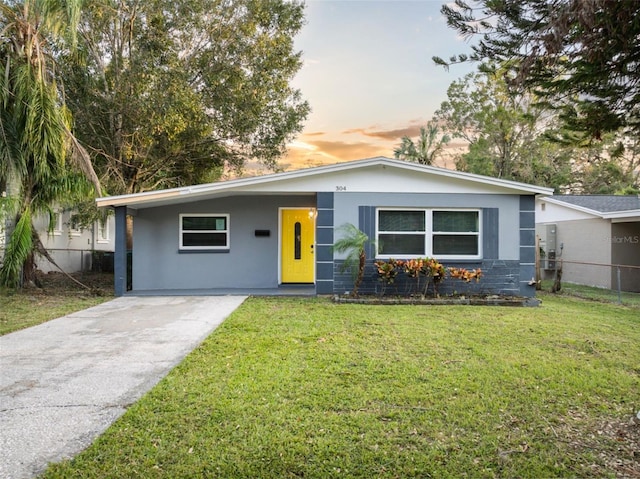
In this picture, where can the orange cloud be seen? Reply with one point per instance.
(307, 153)
(322, 148)
(392, 135)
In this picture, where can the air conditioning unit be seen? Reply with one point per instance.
(550, 246)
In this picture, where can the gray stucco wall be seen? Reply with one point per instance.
(252, 262)
(346, 211)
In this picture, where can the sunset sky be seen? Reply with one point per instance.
(369, 77)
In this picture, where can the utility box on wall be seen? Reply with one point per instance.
(550, 246)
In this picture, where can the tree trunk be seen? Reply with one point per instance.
(29, 271)
(361, 265)
(538, 278)
(557, 284)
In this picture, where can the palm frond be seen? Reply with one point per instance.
(35, 135)
(19, 247)
(353, 242)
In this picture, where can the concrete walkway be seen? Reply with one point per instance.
(62, 383)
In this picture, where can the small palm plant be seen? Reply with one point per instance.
(353, 242)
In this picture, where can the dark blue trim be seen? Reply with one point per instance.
(120, 254)
(527, 244)
(527, 237)
(367, 224)
(527, 203)
(324, 200)
(325, 218)
(324, 252)
(324, 243)
(490, 233)
(324, 235)
(527, 254)
(324, 271)
(324, 287)
(527, 219)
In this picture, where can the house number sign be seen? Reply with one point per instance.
(341, 188)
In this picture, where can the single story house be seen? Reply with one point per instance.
(274, 230)
(596, 236)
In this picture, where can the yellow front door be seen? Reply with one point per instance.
(298, 241)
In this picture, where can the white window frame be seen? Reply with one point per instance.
(429, 234)
(74, 230)
(102, 238)
(227, 231)
(57, 226)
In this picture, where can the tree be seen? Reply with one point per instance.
(41, 162)
(427, 148)
(353, 242)
(505, 130)
(172, 92)
(609, 166)
(581, 56)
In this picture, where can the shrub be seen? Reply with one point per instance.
(431, 269)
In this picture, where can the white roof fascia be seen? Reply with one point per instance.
(626, 214)
(245, 184)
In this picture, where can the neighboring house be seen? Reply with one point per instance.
(590, 233)
(278, 229)
(74, 248)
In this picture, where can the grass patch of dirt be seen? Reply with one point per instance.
(57, 296)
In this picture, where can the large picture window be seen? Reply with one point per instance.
(210, 231)
(441, 233)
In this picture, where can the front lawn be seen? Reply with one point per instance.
(308, 388)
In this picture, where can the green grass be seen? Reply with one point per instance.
(595, 294)
(289, 388)
(19, 310)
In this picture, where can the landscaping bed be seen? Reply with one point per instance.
(488, 300)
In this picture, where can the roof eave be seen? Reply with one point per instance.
(140, 199)
(621, 214)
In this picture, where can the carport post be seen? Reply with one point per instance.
(120, 255)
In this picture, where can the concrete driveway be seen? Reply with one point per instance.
(62, 383)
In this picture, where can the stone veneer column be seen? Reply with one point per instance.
(527, 244)
(324, 243)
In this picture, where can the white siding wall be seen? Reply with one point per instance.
(71, 248)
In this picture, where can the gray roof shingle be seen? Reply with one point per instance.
(602, 203)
